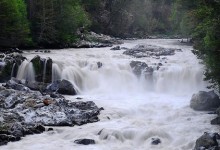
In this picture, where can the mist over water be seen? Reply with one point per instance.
(136, 109)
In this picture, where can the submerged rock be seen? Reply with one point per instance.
(140, 68)
(116, 48)
(205, 101)
(99, 64)
(85, 141)
(155, 141)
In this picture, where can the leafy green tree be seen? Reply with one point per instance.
(14, 25)
(55, 22)
(72, 16)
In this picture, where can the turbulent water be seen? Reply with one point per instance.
(136, 109)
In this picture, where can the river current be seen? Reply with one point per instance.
(135, 109)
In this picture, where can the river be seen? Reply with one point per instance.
(135, 109)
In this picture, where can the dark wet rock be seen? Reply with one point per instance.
(54, 86)
(116, 48)
(85, 141)
(99, 64)
(144, 50)
(56, 95)
(217, 111)
(208, 141)
(11, 101)
(14, 84)
(9, 64)
(155, 141)
(5, 138)
(66, 87)
(25, 112)
(140, 68)
(37, 86)
(40, 128)
(205, 101)
(17, 129)
(39, 65)
(216, 121)
(50, 129)
(124, 48)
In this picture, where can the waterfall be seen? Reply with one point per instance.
(45, 69)
(12, 70)
(26, 71)
(56, 72)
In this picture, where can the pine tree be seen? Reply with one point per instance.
(14, 25)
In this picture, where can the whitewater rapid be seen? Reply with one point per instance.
(135, 109)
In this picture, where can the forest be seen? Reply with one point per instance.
(55, 23)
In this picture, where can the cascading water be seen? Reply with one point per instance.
(44, 71)
(12, 70)
(26, 71)
(56, 72)
(137, 109)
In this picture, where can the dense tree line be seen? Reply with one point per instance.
(200, 19)
(47, 23)
(54, 23)
(127, 18)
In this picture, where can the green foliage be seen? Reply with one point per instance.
(56, 21)
(201, 20)
(70, 19)
(14, 24)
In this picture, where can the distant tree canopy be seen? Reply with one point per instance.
(127, 18)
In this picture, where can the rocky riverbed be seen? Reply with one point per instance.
(24, 111)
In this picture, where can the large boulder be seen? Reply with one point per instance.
(208, 141)
(205, 101)
(85, 141)
(66, 87)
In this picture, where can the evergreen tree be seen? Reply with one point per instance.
(201, 20)
(14, 24)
